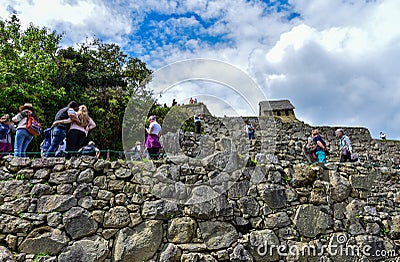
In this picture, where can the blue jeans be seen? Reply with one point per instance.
(57, 136)
(251, 135)
(22, 140)
(321, 156)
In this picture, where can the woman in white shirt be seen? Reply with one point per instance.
(153, 144)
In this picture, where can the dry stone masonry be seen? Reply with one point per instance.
(215, 197)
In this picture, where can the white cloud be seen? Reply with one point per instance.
(77, 19)
(338, 65)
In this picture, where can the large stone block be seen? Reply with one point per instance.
(86, 176)
(89, 250)
(78, 223)
(64, 177)
(138, 244)
(239, 189)
(249, 206)
(160, 209)
(364, 182)
(263, 245)
(12, 224)
(116, 217)
(171, 253)
(274, 195)
(51, 203)
(277, 220)
(44, 240)
(14, 188)
(312, 220)
(16, 206)
(218, 235)
(39, 190)
(340, 187)
(207, 209)
(182, 230)
(47, 162)
(303, 175)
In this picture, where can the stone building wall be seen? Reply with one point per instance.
(214, 203)
(288, 137)
(92, 210)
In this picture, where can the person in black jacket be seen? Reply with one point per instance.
(59, 131)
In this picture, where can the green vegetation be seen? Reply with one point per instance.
(287, 179)
(35, 69)
(19, 213)
(385, 231)
(20, 177)
(388, 140)
(252, 162)
(37, 256)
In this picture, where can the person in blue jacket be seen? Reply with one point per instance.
(321, 146)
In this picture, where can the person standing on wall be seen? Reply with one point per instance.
(320, 151)
(345, 147)
(153, 144)
(197, 123)
(6, 129)
(59, 131)
(23, 137)
(77, 133)
(249, 129)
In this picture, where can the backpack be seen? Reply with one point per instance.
(311, 146)
(88, 151)
(47, 139)
(3, 130)
(32, 125)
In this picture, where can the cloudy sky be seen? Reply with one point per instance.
(336, 60)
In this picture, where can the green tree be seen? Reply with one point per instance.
(28, 66)
(34, 69)
(104, 78)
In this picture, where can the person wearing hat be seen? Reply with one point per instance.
(153, 144)
(22, 136)
(345, 147)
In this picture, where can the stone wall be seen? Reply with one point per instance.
(214, 203)
(92, 210)
(286, 138)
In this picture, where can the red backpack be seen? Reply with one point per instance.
(32, 125)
